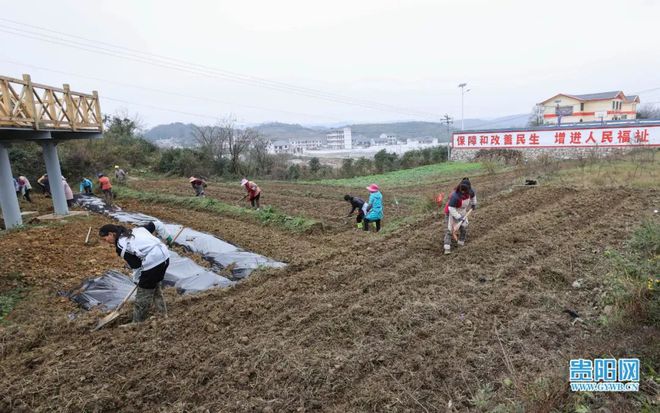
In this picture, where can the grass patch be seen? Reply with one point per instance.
(422, 174)
(640, 170)
(10, 297)
(267, 215)
(633, 285)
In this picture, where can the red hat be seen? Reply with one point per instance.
(373, 188)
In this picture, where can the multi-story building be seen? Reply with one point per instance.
(305, 144)
(279, 146)
(340, 139)
(389, 139)
(605, 106)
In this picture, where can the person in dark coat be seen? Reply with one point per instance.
(356, 204)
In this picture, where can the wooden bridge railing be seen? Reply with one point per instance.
(28, 105)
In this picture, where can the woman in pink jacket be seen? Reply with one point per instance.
(68, 193)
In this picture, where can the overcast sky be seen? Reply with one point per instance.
(328, 62)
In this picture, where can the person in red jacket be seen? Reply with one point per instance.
(253, 192)
(460, 202)
(106, 187)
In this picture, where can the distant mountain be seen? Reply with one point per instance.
(177, 133)
(276, 130)
(182, 134)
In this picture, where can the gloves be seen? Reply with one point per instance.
(136, 275)
(473, 206)
(169, 241)
(460, 218)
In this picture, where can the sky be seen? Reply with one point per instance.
(331, 62)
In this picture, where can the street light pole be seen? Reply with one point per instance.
(462, 86)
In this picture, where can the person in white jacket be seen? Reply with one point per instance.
(149, 259)
(68, 193)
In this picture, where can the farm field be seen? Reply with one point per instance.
(357, 322)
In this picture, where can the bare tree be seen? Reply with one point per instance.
(536, 117)
(648, 111)
(211, 140)
(261, 162)
(239, 141)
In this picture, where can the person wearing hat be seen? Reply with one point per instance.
(460, 202)
(148, 258)
(106, 187)
(198, 185)
(356, 204)
(120, 174)
(253, 192)
(374, 210)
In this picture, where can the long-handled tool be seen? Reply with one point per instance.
(87, 237)
(177, 234)
(454, 230)
(115, 313)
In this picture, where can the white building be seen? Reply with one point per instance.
(305, 144)
(389, 139)
(340, 139)
(279, 146)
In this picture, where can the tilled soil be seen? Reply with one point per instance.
(357, 322)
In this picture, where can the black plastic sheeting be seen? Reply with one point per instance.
(219, 253)
(106, 291)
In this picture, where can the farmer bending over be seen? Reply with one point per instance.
(253, 192)
(198, 185)
(148, 258)
(460, 201)
(356, 204)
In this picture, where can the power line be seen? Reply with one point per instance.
(177, 64)
(217, 118)
(202, 98)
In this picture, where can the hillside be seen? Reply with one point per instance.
(183, 133)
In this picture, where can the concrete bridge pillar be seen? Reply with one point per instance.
(11, 212)
(55, 178)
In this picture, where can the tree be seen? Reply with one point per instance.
(293, 172)
(239, 141)
(259, 161)
(384, 161)
(536, 117)
(314, 165)
(347, 168)
(648, 111)
(211, 140)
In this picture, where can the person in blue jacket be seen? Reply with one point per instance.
(374, 210)
(86, 185)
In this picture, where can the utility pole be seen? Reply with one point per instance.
(447, 120)
(463, 92)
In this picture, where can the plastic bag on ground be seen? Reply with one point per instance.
(105, 291)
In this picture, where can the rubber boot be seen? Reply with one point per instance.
(447, 249)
